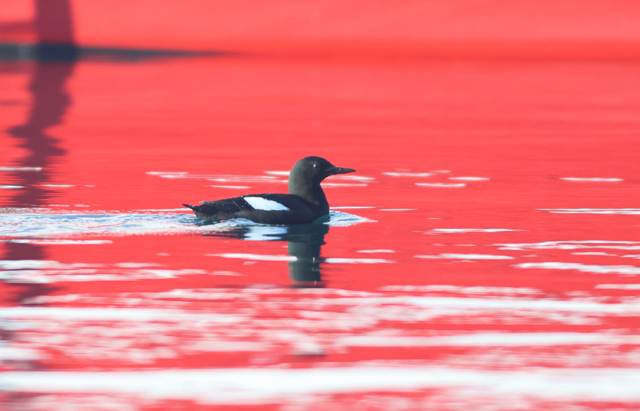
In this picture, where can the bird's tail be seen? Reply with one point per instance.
(200, 213)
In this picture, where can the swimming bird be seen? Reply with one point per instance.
(305, 202)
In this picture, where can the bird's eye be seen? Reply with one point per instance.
(315, 165)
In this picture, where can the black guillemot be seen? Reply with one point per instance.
(305, 202)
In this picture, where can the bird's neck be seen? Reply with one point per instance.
(311, 193)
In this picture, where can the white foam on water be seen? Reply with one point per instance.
(595, 253)
(234, 187)
(507, 305)
(116, 314)
(595, 269)
(466, 256)
(20, 168)
(259, 203)
(48, 277)
(572, 245)
(340, 219)
(213, 177)
(594, 179)
(469, 178)
(18, 354)
(25, 225)
(618, 286)
(490, 339)
(256, 385)
(48, 228)
(219, 177)
(460, 289)
(592, 210)
(42, 264)
(46, 271)
(265, 232)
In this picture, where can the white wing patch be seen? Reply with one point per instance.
(259, 203)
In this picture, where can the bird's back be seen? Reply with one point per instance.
(260, 208)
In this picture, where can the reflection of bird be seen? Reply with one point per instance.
(304, 244)
(304, 203)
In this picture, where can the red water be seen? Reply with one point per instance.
(518, 290)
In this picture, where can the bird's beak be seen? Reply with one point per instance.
(339, 170)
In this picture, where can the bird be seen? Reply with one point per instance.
(305, 203)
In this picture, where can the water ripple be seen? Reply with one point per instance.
(31, 225)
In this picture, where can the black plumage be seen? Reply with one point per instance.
(305, 202)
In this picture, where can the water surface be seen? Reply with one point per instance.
(484, 255)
